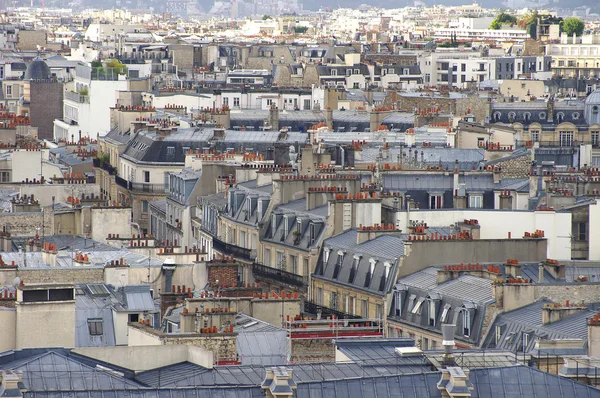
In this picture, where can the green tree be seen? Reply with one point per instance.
(572, 25)
(503, 18)
(300, 29)
(265, 17)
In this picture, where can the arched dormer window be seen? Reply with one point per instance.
(560, 117)
(527, 117)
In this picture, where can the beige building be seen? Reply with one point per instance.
(523, 90)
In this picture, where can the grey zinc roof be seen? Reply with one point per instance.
(356, 272)
(93, 307)
(528, 319)
(398, 182)
(378, 351)
(260, 343)
(136, 298)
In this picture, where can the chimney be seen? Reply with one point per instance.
(541, 274)
(550, 110)
(278, 382)
(274, 118)
(594, 336)
(448, 343)
(410, 138)
(555, 269)
(455, 382)
(505, 199)
(554, 312)
(329, 118)
(11, 384)
(512, 267)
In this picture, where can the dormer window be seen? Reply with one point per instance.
(370, 272)
(466, 323)
(417, 308)
(285, 226)
(445, 312)
(560, 117)
(338, 264)
(299, 227)
(273, 225)
(355, 262)
(326, 255)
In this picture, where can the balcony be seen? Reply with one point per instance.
(76, 97)
(140, 187)
(314, 309)
(277, 275)
(233, 250)
(99, 163)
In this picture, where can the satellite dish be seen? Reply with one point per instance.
(16, 282)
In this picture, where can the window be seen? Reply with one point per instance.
(348, 72)
(365, 309)
(269, 102)
(397, 303)
(95, 327)
(417, 308)
(285, 226)
(475, 201)
(146, 176)
(566, 138)
(498, 335)
(357, 71)
(236, 101)
(242, 241)
(560, 117)
(225, 101)
(379, 310)
(144, 206)
(595, 138)
(431, 312)
(305, 270)
(334, 301)
(350, 303)
(435, 201)
(582, 231)
(445, 312)
(535, 135)
(307, 104)
(279, 260)
(334, 72)
(466, 323)
(267, 258)
(356, 85)
(320, 296)
(406, 71)
(294, 264)
(8, 91)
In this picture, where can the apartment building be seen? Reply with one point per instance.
(575, 56)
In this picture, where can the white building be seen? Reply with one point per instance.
(86, 105)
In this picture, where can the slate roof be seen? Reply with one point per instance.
(528, 320)
(378, 351)
(359, 273)
(60, 373)
(451, 299)
(295, 211)
(260, 343)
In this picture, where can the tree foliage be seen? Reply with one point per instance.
(503, 18)
(572, 25)
(300, 29)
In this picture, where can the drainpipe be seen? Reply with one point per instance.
(343, 153)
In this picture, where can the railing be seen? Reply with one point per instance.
(552, 144)
(140, 186)
(236, 251)
(277, 275)
(314, 309)
(76, 97)
(105, 166)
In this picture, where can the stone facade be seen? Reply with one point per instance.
(312, 350)
(31, 40)
(61, 275)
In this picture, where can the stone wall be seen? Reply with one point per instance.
(26, 224)
(61, 275)
(398, 59)
(29, 40)
(312, 350)
(223, 346)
